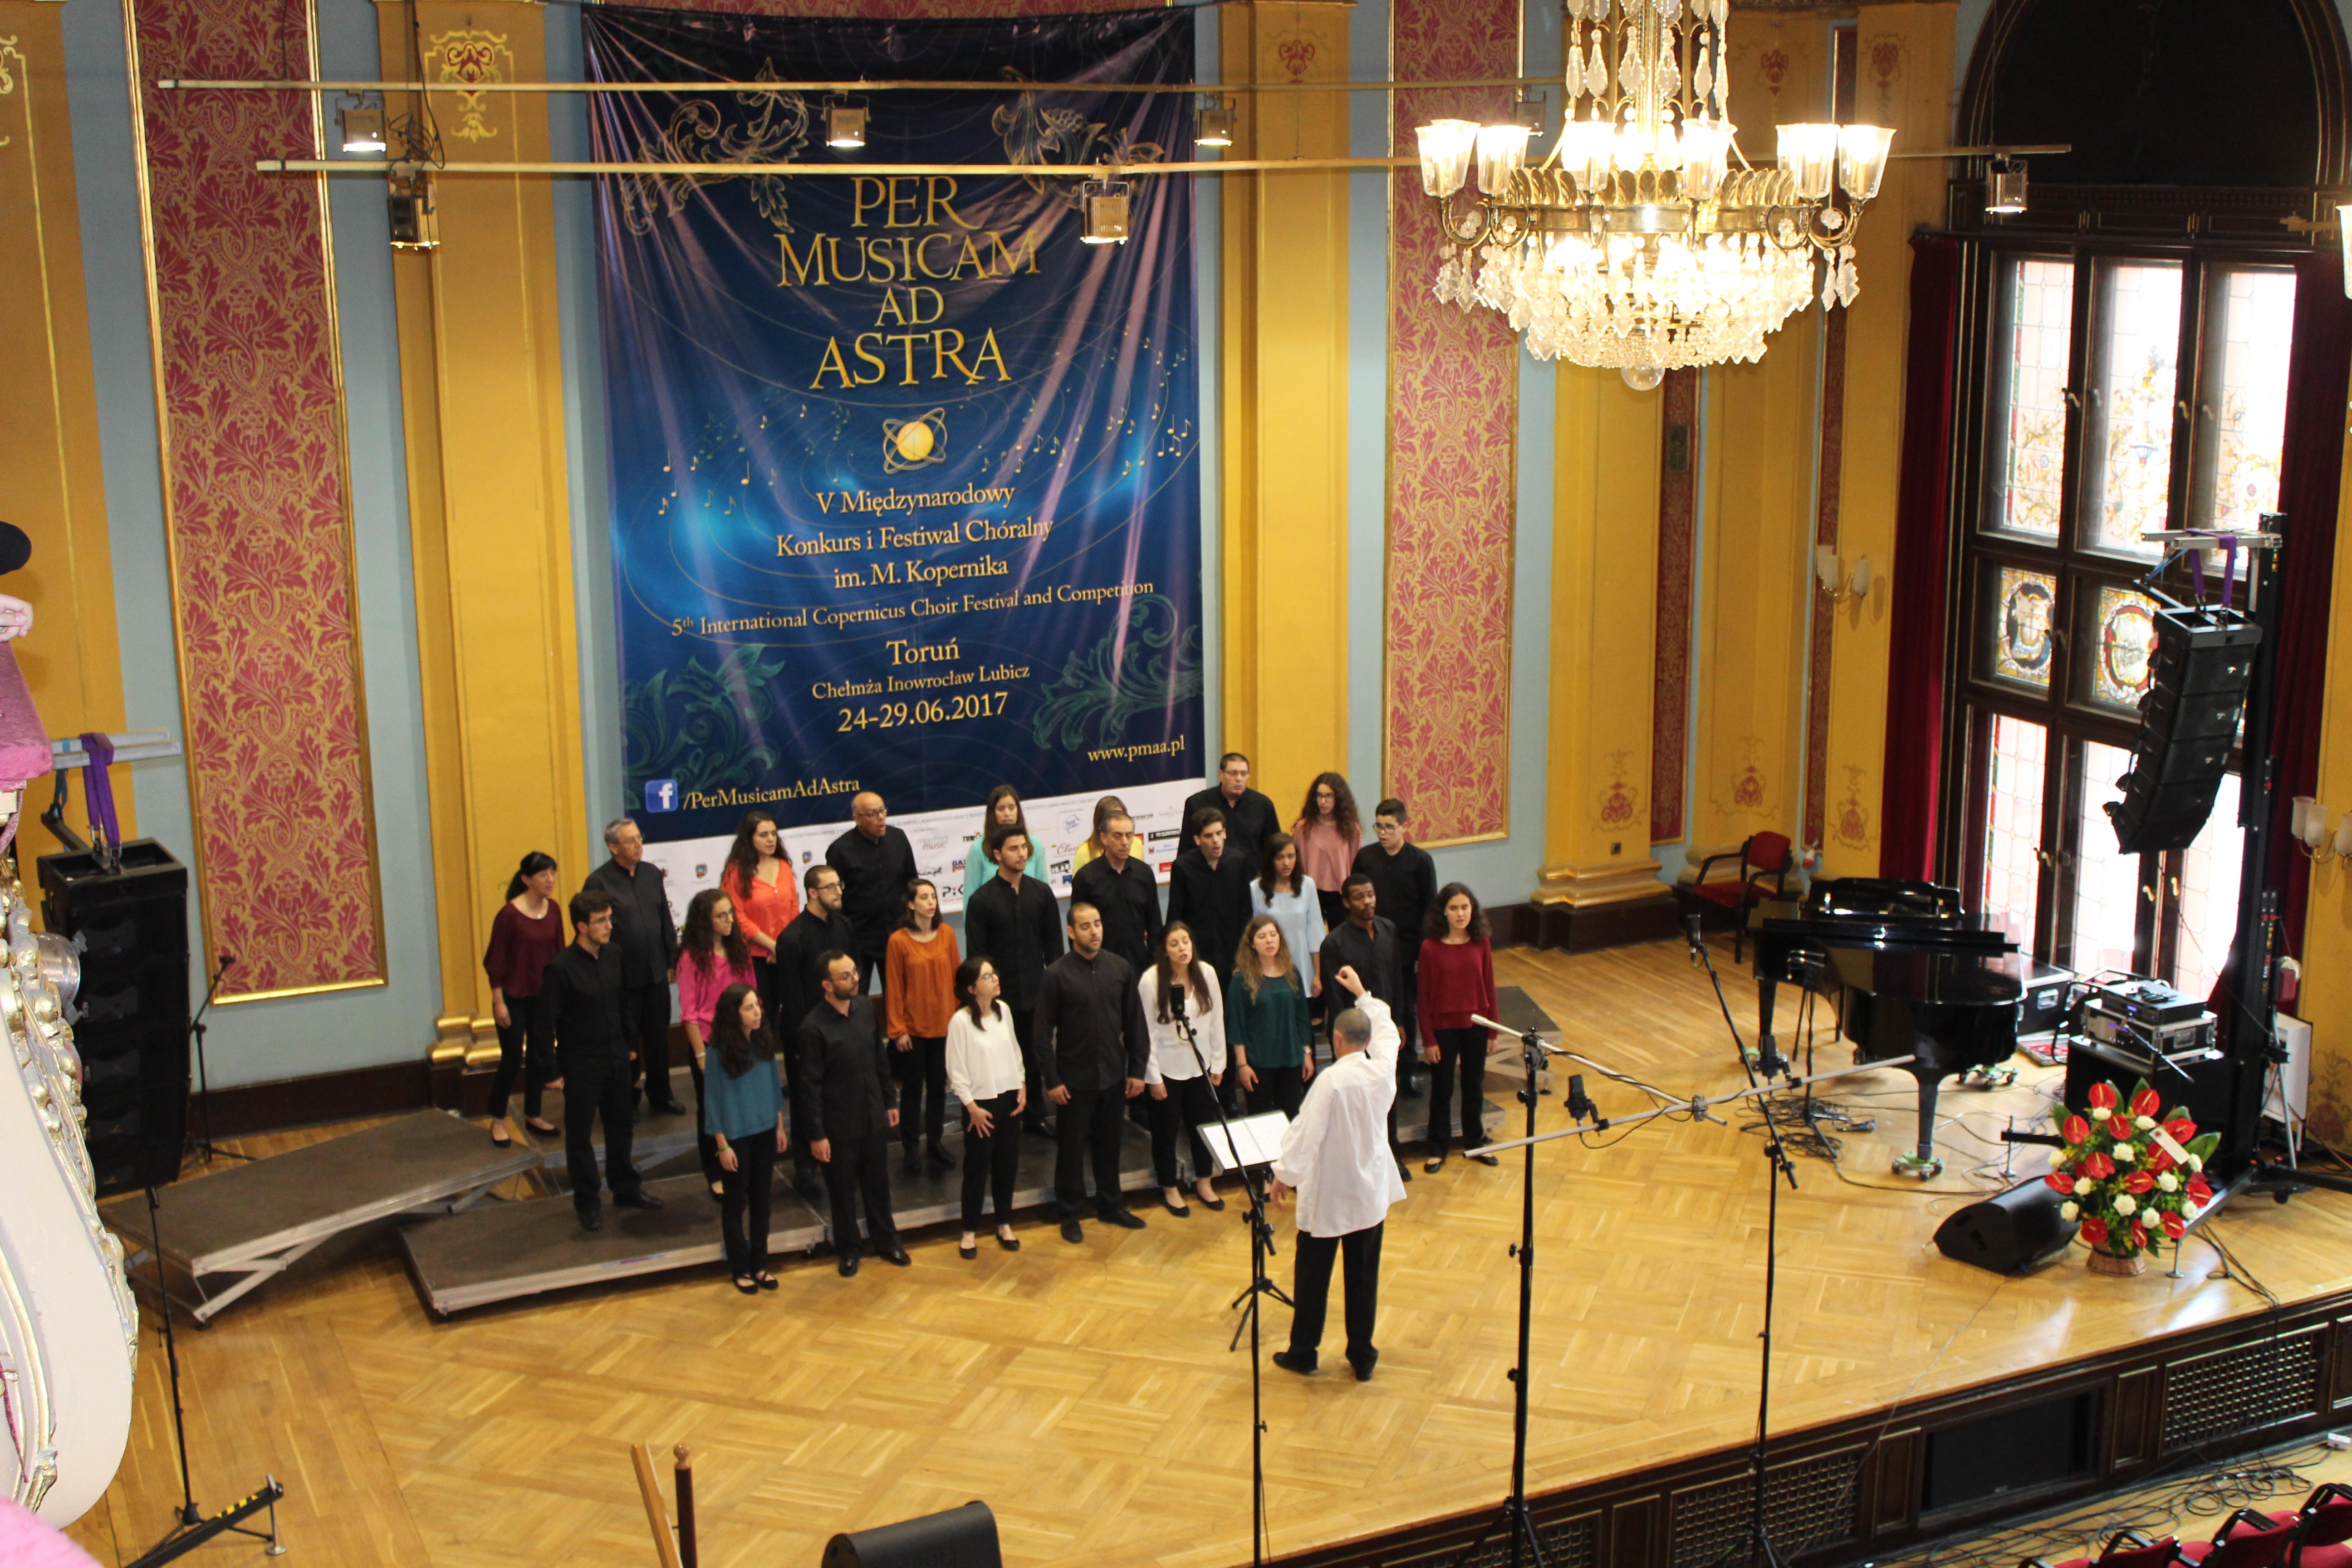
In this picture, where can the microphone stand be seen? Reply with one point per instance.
(1261, 1285)
(196, 1025)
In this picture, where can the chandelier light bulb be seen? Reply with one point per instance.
(1643, 377)
(1809, 156)
(1502, 152)
(1446, 148)
(1862, 159)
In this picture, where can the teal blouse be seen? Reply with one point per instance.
(741, 1107)
(1271, 1030)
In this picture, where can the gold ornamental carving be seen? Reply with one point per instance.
(467, 56)
(8, 51)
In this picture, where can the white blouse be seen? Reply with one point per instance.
(984, 1059)
(1170, 1057)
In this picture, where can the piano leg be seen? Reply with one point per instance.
(1923, 1163)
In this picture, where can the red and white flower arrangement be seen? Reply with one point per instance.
(2130, 1175)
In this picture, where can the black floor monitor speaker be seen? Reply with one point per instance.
(2009, 1232)
(133, 1030)
(2202, 665)
(961, 1537)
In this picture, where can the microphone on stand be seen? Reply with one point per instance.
(1691, 933)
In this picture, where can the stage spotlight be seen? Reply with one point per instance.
(362, 126)
(415, 225)
(1104, 202)
(2005, 186)
(1217, 127)
(844, 125)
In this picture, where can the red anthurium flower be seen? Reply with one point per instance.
(2076, 1130)
(2201, 1192)
(2174, 1226)
(2061, 1183)
(2181, 1129)
(2139, 1234)
(2095, 1231)
(2139, 1182)
(2146, 1103)
(2157, 1159)
(2103, 1096)
(2098, 1167)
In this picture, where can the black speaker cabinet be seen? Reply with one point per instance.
(2205, 1090)
(961, 1537)
(2009, 1232)
(133, 1030)
(2203, 663)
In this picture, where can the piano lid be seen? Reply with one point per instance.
(1945, 978)
(1884, 898)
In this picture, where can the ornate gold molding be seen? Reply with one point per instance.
(469, 55)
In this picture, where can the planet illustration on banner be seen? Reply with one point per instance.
(914, 442)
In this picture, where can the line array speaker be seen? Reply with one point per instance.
(2203, 663)
(133, 1030)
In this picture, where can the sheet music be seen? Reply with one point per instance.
(1259, 1139)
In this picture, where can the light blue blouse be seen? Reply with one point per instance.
(978, 868)
(1301, 916)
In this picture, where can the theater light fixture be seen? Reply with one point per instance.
(1104, 204)
(415, 225)
(1643, 241)
(2005, 186)
(362, 124)
(1216, 125)
(845, 124)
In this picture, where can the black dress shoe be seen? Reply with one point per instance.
(897, 1254)
(591, 1219)
(1364, 1369)
(1291, 1361)
(1110, 1214)
(636, 1200)
(1040, 1128)
(1073, 1231)
(914, 1162)
(668, 1108)
(1214, 1206)
(1484, 1159)
(1404, 1170)
(940, 1159)
(1009, 1242)
(1179, 1210)
(847, 1265)
(967, 1253)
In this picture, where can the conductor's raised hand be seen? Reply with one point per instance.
(1350, 979)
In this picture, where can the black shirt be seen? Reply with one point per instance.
(1249, 822)
(806, 937)
(643, 928)
(1372, 957)
(1214, 901)
(1018, 931)
(874, 877)
(1130, 902)
(844, 1072)
(1405, 884)
(582, 998)
(1090, 1031)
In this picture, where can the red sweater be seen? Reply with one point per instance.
(1452, 983)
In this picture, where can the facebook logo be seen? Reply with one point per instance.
(661, 794)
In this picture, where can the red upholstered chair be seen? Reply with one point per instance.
(2326, 1520)
(1764, 855)
(2247, 1540)
(2127, 1548)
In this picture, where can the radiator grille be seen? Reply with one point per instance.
(2240, 1390)
(1808, 1504)
(1566, 1543)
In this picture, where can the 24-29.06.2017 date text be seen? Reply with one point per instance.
(928, 710)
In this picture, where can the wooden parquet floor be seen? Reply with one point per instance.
(1086, 1394)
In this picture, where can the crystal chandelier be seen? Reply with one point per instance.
(1644, 242)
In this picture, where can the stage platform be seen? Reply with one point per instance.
(257, 1219)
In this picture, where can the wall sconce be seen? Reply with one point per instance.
(2310, 828)
(362, 124)
(1104, 204)
(2005, 186)
(1838, 585)
(1216, 128)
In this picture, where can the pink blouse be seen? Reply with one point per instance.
(701, 982)
(1324, 855)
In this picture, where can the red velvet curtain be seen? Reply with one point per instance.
(1915, 673)
(2311, 466)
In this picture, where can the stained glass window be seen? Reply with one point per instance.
(2242, 409)
(2107, 884)
(2133, 385)
(2118, 648)
(2028, 434)
(2012, 865)
(2019, 605)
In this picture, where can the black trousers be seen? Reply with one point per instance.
(1461, 1054)
(1310, 1287)
(747, 1187)
(804, 1165)
(1278, 1089)
(706, 1147)
(593, 1088)
(1024, 1030)
(1087, 1126)
(922, 1068)
(991, 1161)
(1191, 1105)
(527, 1030)
(645, 1019)
(860, 1167)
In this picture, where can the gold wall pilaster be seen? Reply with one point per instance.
(1606, 440)
(51, 482)
(481, 390)
(2327, 997)
(1283, 402)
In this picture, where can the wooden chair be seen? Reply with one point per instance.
(2127, 1549)
(1763, 855)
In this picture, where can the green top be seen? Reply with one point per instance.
(1271, 1030)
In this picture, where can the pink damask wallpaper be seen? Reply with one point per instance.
(1678, 515)
(1454, 409)
(251, 403)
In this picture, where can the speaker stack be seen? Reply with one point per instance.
(2204, 662)
(132, 1034)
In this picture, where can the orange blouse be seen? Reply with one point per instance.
(763, 907)
(918, 984)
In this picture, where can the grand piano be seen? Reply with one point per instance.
(1914, 975)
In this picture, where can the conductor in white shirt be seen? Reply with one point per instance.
(1335, 1155)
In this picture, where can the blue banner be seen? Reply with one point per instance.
(904, 482)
